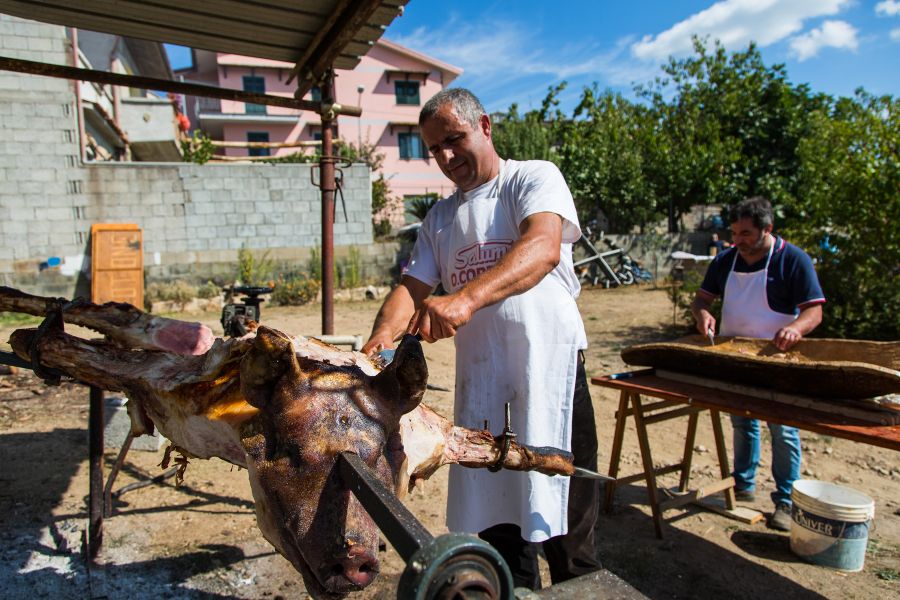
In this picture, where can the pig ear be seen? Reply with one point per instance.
(403, 381)
(270, 357)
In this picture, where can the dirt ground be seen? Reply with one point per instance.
(200, 541)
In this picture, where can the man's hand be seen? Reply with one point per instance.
(440, 316)
(808, 319)
(394, 314)
(787, 337)
(700, 309)
(376, 344)
(706, 323)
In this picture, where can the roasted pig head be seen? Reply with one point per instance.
(310, 412)
(282, 406)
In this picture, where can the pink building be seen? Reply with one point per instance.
(391, 83)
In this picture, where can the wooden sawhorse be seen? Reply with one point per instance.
(647, 413)
(679, 398)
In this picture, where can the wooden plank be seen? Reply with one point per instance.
(221, 42)
(865, 410)
(197, 17)
(884, 436)
(738, 513)
(677, 498)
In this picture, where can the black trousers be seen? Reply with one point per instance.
(574, 553)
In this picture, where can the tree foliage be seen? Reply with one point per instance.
(848, 213)
(717, 127)
(602, 157)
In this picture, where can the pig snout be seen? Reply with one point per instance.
(353, 569)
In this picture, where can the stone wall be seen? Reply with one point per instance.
(194, 217)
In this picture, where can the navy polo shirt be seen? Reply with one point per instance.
(791, 285)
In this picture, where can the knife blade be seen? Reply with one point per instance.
(588, 474)
(712, 336)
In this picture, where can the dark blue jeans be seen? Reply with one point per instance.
(574, 553)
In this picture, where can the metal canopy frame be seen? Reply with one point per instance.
(315, 35)
(318, 36)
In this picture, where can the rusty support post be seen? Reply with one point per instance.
(95, 457)
(326, 169)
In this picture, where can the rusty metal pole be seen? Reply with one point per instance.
(95, 473)
(326, 169)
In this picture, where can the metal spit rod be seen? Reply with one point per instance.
(450, 566)
(401, 527)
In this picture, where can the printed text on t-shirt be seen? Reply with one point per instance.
(475, 259)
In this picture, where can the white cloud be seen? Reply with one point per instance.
(500, 60)
(895, 34)
(832, 34)
(736, 23)
(889, 8)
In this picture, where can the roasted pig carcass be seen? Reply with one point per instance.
(283, 407)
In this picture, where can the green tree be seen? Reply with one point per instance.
(848, 213)
(198, 149)
(532, 136)
(602, 156)
(728, 127)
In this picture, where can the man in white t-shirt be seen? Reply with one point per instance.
(501, 246)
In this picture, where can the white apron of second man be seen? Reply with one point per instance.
(501, 247)
(769, 289)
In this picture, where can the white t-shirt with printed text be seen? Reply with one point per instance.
(522, 350)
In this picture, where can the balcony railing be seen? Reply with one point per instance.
(208, 105)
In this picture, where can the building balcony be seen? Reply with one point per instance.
(150, 126)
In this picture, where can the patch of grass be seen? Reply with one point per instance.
(10, 319)
(888, 574)
(878, 549)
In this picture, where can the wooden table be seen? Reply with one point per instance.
(677, 398)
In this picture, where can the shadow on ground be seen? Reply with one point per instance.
(686, 565)
(41, 539)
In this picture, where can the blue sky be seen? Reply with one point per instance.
(513, 50)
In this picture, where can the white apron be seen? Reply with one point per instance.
(745, 306)
(522, 350)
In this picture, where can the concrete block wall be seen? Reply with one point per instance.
(40, 174)
(194, 217)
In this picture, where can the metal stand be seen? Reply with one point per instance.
(99, 495)
(95, 454)
(450, 566)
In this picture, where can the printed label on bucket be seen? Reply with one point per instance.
(829, 527)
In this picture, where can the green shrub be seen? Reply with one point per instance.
(314, 265)
(381, 229)
(178, 291)
(348, 272)
(209, 290)
(294, 290)
(198, 149)
(681, 294)
(252, 270)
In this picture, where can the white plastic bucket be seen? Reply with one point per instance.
(830, 524)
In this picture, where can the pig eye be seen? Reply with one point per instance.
(344, 420)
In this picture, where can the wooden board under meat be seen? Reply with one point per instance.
(820, 368)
